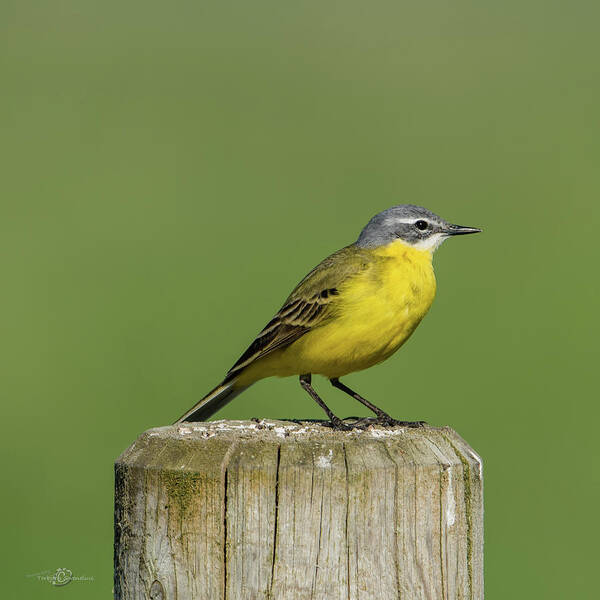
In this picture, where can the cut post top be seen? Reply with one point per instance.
(167, 447)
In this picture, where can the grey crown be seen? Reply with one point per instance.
(390, 224)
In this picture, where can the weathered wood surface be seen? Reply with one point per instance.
(282, 510)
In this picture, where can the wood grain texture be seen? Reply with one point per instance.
(282, 510)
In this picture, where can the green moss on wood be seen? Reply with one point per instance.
(181, 486)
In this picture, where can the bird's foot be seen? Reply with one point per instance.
(364, 423)
(388, 421)
(338, 425)
(349, 423)
(353, 423)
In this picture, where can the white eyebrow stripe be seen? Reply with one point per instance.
(409, 221)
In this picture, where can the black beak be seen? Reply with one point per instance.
(460, 230)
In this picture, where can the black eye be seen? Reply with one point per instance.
(421, 225)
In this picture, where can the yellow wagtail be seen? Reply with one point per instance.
(352, 311)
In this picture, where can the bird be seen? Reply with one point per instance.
(353, 310)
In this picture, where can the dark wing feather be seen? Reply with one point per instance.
(309, 305)
(290, 323)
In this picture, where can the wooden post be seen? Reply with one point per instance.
(283, 510)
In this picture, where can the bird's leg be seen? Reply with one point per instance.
(382, 416)
(336, 422)
(335, 382)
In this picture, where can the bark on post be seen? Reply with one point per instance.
(283, 510)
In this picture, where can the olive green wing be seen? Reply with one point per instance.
(310, 304)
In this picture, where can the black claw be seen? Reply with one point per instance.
(413, 424)
(343, 425)
(339, 425)
(388, 421)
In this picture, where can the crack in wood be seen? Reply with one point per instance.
(347, 516)
(273, 558)
(225, 476)
(318, 557)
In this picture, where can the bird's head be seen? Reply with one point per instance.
(413, 225)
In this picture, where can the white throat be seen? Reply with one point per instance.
(432, 243)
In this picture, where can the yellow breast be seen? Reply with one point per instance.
(378, 311)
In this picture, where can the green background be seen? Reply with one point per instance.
(171, 170)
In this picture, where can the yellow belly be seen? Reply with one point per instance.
(378, 311)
